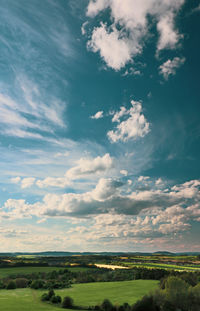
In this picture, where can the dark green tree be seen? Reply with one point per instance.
(67, 302)
(11, 285)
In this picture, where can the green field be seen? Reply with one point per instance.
(83, 295)
(4, 272)
(118, 292)
(23, 300)
(150, 265)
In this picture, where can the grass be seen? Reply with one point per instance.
(118, 292)
(23, 300)
(150, 265)
(83, 295)
(4, 272)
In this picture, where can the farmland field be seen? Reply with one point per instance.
(83, 295)
(150, 265)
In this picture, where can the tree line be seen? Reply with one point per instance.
(63, 278)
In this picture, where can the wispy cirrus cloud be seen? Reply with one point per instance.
(30, 115)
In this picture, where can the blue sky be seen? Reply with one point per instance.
(99, 125)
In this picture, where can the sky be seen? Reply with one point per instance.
(99, 125)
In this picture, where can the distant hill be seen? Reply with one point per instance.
(62, 254)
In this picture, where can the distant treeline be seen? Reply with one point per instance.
(64, 277)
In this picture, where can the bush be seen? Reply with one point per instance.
(67, 302)
(51, 293)
(106, 305)
(146, 303)
(37, 284)
(11, 285)
(21, 282)
(45, 297)
(2, 285)
(56, 299)
(126, 306)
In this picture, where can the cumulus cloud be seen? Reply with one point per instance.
(124, 172)
(27, 182)
(88, 166)
(109, 214)
(114, 49)
(97, 115)
(133, 127)
(84, 168)
(15, 180)
(169, 67)
(59, 182)
(121, 41)
(177, 204)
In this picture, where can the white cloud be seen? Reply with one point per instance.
(27, 182)
(169, 37)
(28, 116)
(15, 180)
(143, 178)
(94, 7)
(197, 9)
(170, 66)
(118, 47)
(84, 168)
(105, 189)
(59, 182)
(114, 49)
(178, 204)
(108, 214)
(83, 28)
(124, 172)
(133, 127)
(88, 166)
(97, 115)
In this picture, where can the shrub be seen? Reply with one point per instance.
(11, 285)
(37, 284)
(51, 293)
(45, 297)
(146, 303)
(21, 282)
(106, 305)
(126, 306)
(67, 302)
(2, 285)
(56, 299)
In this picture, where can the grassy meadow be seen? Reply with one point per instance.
(117, 292)
(82, 294)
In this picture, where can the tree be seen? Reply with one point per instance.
(36, 284)
(45, 297)
(106, 305)
(56, 299)
(21, 282)
(11, 285)
(67, 302)
(145, 304)
(51, 293)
